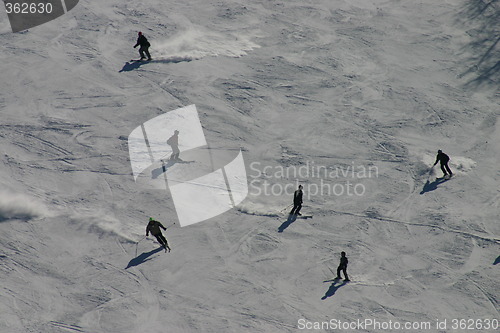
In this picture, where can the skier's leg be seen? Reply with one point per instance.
(165, 243)
(297, 211)
(443, 169)
(141, 52)
(338, 272)
(448, 169)
(345, 274)
(146, 50)
(160, 240)
(293, 209)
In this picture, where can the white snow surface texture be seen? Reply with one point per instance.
(334, 83)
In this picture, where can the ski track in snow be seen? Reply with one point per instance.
(338, 83)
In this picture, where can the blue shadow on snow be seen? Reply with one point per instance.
(143, 257)
(135, 64)
(286, 224)
(428, 187)
(333, 288)
(155, 173)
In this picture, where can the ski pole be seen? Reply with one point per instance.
(137, 245)
(431, 171)
(286, 207)
(170, 226)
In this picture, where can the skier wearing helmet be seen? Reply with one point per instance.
(144, 46)
(154, 227)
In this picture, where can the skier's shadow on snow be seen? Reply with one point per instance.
(497, 260)
(333, 288)
(132, 65)
(286, 224)
(428, 186)
(143, 257)
(155, 173)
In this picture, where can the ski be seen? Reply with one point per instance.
(368, 284)
(335, 280)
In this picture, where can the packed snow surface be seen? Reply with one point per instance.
(350, 98)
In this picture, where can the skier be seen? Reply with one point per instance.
(173, 141)
(143, 42)
(443, 159)
(342, 267)
(154, 227)
(297, 202)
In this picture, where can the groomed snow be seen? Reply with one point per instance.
(338, 84)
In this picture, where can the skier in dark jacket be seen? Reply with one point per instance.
(154, 228)
(443, 159)
(343, 266)
(143, 42)
(297, 202)
(173, 141)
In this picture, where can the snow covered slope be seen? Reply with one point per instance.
(332, 85)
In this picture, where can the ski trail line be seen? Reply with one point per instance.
(384, 219)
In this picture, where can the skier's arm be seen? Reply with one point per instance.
(147, 231)
(437, 160)
(161, 225)
(136, 44)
